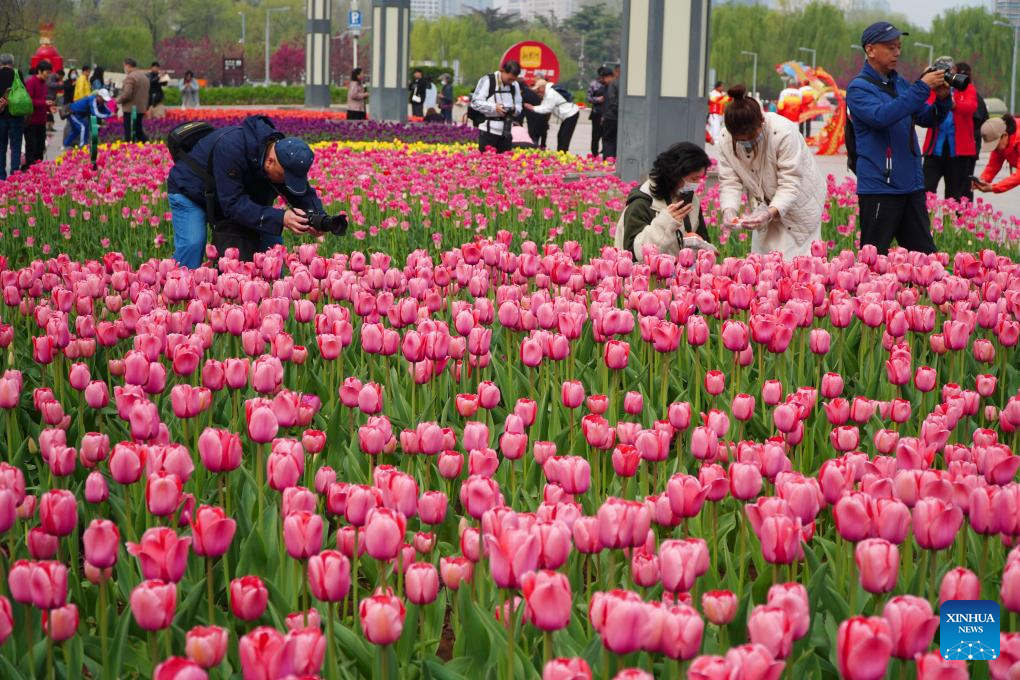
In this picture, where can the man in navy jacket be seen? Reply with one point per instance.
(884, 109)
(252, 165)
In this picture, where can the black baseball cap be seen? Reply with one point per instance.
(295, 157)
(880, 32)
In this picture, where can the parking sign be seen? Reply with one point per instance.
(354, 20)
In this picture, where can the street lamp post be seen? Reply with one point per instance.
(1012, 77)
(269, 11)
(813, 52)
(931, 51)
(754, 74)
(242, 28)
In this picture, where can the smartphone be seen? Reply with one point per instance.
(972, 178)
(685, 196)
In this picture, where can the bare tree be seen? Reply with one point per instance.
(13, 23)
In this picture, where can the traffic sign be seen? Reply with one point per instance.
(354, 20)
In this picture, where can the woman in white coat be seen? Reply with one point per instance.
(765, 156)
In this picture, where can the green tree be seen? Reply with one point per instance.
(598, 29)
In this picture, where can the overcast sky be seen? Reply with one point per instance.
(921, 12)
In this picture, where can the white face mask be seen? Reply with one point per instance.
(689, 186)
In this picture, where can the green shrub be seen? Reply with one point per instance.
(254, 94)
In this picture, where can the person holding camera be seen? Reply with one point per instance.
(765, 156)
(949, 146)
(884, 109)
(665, 211)
(497, 102)
(230, 179)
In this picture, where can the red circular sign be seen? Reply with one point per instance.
(537, 60)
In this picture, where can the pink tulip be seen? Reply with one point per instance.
(682, 562)
(754, 661)
(935, 523)
(220, 450)
(421, 582)
(719, 606)
(261, 654)
(302, 534)
(384, 533)
(959, 584)
(153, 604)
(455, 570)
(58, 512)
(212, 531)
(248, 597)
(382, 619)
(6, 619)
(574, 668)
(931, 666)
(60, 623)
(206, 645)
(162, 554)
(878, 565)
(771, 627)
(911, 625)
(101, 541)
(177, 668)
(863, 648)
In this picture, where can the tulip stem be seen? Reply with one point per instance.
(102, 626)
(354, 579)
(509, 612)
(330, 646)
(547, 647)
(209, 590)
(934, 565)
(49, 655)
(259, 481)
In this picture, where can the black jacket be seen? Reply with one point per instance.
(156, 95)
(419, 87)
(612, 104)
(243, 191)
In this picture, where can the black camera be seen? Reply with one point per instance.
(333, 224)
(957, 81)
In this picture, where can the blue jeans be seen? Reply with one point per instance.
(10, 133)
(190, 232)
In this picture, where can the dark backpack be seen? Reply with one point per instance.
(183, 138)
(564, 92)
(477, 117)
(849, 138)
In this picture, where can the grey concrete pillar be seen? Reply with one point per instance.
(318, 35)
(391, 25)
(663, 86)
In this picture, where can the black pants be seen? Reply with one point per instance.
(609, 137)
(35, 144)
(955, 170)
(596, 133)
(903, 217)
(566, 132)
(487, 140)
(417, 110)
(538, 129)
(355, 115)
(229, 235)
(137, 134)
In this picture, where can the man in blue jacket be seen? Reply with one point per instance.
(884, 109)
(252, 164)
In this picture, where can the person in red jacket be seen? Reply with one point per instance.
(1002, 132)
(949, 147)
(35, 124)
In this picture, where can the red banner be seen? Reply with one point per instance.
(537, 60)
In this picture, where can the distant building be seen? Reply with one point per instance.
(1010, 9)
(531, 9)
(426, 9)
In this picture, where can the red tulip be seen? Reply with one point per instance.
(206, 645)
(863, 648)
(153, 603)
(382, 619)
